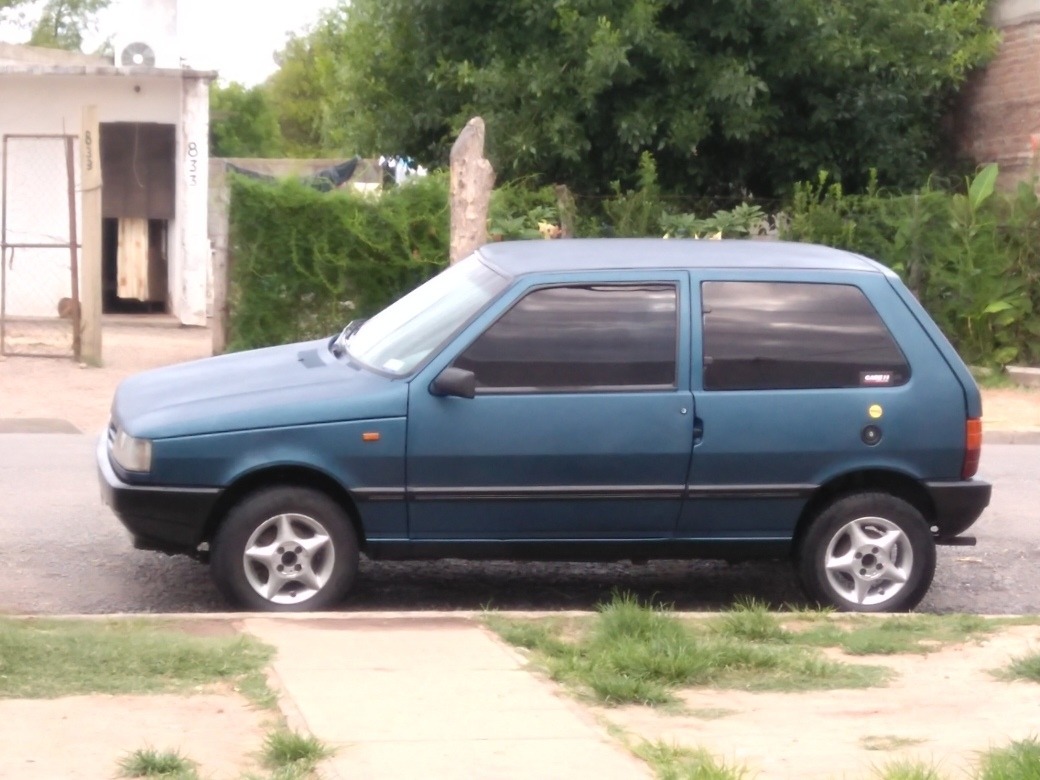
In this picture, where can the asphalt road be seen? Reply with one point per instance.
(62, 551)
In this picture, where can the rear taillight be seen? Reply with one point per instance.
(972, 448)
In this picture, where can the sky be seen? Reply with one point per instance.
(223, 35)
(238, 38)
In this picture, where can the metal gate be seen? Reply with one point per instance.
(39, 274)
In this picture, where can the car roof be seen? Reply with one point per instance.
(609, 254)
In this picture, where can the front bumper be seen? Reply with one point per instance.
(167, 519)
(958, 505)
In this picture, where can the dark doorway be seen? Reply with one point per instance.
(137, 203)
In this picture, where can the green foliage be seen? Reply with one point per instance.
(60, 24)
(149, 762)
(305, 263)
(636, 654)
(242, 123)
(908, 770)
(303, 85)
(47, 659)
(752, 621)
(971, 257)
(1026, 667)
(729, 97)
(1018, 761)
(518, 208)
(901, 634)
(292, 753)
(671, 762)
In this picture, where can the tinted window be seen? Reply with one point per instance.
(776, 336)
(567, 338)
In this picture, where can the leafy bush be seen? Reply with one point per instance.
(304, 263)
(972, 257)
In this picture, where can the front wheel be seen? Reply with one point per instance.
(285, 549)
(868, 552)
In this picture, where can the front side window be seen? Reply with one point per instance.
(580, 337)
(402, 335)
(782, 335)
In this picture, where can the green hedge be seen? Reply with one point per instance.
(972, 258)
(304, 263)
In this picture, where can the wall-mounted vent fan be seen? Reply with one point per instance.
(137, 55)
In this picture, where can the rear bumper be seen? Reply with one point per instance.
(958, 504)
(167, 519)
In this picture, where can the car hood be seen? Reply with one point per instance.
(295, 384)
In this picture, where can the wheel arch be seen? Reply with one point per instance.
(894, 483)
(288, 475)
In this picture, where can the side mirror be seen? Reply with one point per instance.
(455, 382)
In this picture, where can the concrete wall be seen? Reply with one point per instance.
(43, 103)
(999, 117)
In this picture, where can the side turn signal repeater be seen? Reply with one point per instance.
(370, 436)
(972, 448)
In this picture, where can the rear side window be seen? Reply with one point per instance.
(782, 335)
(586, 337)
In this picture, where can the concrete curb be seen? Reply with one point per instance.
(1027, 436)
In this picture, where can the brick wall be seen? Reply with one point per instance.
(999, 115)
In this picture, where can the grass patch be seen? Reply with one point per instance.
(908, 770)
(630, 653)
(148, 762)
(41, 659)
(1026, 667)
(751, 620)
(895, 635)
(1018, 761)
(676, 763)
(710, 713)
(290, 754)
(886, 742)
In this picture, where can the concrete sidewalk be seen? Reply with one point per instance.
(430, 697)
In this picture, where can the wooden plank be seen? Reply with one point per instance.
(132, 259)
(90, 265)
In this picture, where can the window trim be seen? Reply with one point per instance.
(674, 284)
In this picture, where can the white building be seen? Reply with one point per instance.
(153, 144)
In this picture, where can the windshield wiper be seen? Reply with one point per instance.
(339, 345)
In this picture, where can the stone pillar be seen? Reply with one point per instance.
(472, 179)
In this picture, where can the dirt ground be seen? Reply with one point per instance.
(86, 736)
(942, 710)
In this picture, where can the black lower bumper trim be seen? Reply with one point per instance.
(958, 504)
(165, 519)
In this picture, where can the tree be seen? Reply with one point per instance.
(295, 93)
(61, 24)
(730, 96)
(242, 123)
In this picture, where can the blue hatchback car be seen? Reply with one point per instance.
(574, 400)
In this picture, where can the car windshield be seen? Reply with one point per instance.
(398, 338)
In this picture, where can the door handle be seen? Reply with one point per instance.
(698, 430)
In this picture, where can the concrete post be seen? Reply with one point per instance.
(190, 258)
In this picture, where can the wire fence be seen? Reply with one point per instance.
(39, 280)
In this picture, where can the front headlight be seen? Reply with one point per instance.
(130, 453)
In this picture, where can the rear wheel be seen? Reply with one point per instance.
(868, 552)
(285, 549)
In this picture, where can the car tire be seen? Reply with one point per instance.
(285, 549)
(867, 552)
